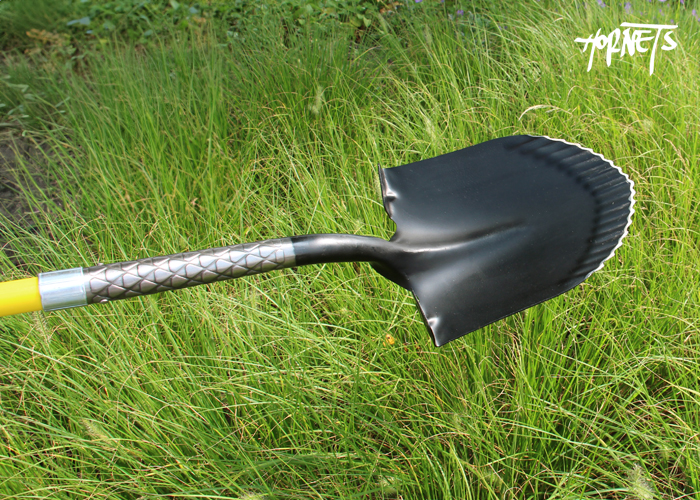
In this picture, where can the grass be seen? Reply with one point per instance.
(321, 382)
(32, 14)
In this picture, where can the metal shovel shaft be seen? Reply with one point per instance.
(104, 283)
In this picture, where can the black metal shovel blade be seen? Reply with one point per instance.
(498, 227)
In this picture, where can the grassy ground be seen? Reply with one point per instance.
(321, 382)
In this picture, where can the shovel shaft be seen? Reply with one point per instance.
(123, 280)
(19, 296)
(105, 283)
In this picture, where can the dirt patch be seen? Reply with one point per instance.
(22, 177)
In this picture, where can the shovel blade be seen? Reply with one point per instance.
(498, 227)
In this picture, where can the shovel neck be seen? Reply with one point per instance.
(326, 248)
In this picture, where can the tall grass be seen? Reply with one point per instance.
(321, 382)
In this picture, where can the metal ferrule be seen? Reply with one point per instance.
(62, 289)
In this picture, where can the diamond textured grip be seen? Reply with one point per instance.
(123, 280)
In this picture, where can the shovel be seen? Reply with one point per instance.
(481, 233)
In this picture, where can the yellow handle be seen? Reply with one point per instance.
(19, 296)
